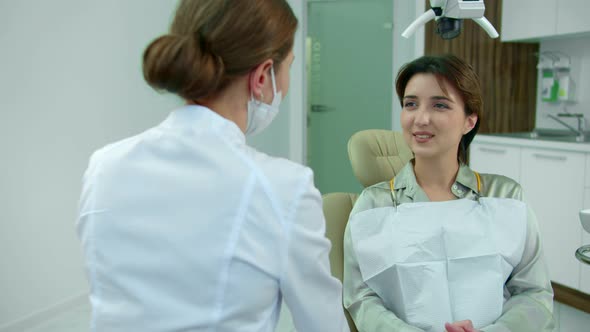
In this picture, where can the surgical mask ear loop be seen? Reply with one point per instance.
(274, 81)
(274, 89)
(258, 102)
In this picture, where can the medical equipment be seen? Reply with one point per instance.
(557, 84)
(449, 15)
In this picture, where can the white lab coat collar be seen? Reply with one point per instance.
(198, 117)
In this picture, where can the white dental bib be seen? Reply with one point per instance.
(437, 262)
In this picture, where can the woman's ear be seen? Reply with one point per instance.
(258, 78)
(470, 122)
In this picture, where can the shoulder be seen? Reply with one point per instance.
(284, 184)
(111, 152)
(500, 186)
(375, 196)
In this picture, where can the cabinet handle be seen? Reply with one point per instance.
(498, 151)
(551, 157)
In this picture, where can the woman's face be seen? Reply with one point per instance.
(433, 122)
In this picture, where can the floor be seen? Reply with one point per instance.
(77, 320)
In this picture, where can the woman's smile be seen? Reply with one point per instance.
(422, 136)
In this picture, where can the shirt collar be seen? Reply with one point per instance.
(466, 177)
(406, 179)
(201, 118)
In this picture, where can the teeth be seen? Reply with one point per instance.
(423, 136)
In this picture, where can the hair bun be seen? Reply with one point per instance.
(183, 65)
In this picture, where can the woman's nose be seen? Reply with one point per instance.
(422, 117)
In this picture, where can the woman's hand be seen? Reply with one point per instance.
(460, 326)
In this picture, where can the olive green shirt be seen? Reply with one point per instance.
(528, 294)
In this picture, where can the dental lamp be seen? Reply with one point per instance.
(449, 15)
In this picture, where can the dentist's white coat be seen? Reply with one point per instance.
(185, 228)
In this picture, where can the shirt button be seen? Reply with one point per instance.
(455, 186)
(460, 191)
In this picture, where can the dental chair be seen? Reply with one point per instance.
(376, 155)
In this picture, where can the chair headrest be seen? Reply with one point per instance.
(377, 155)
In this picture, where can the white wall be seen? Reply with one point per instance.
(404, 50)
(70, 81)
(579, 51)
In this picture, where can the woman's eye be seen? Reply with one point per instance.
(409, 104)
(440, 105)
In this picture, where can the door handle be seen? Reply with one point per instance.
(498, 151)
(317, 108)
(550, 157)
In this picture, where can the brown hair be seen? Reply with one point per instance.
(456, 72)
(211, 42)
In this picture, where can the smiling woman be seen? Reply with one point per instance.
(441, 247)
(455, 95)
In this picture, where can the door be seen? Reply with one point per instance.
(350, 83)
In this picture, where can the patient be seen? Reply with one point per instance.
(441, 247)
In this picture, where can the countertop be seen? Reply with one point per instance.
(551, 141)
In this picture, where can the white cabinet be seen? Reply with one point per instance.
(585, 268)
(528, 19)
(556, 183)
(495, 159)
(553, 184)
(534, 19)
(572, 16)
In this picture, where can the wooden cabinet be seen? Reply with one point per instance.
(536, 19)
(553, 184)
(528, 19)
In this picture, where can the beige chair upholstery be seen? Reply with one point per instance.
(376, 155)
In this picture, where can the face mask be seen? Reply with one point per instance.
(260, 115)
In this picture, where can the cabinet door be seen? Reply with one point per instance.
(585, 268)
(553, 184)
(495, 159)
(572, 16)
(526, 19)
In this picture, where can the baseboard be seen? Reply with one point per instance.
(41, 316)
(572, 297)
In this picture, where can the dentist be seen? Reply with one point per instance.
(186, 228)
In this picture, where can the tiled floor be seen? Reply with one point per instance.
(77, 320)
